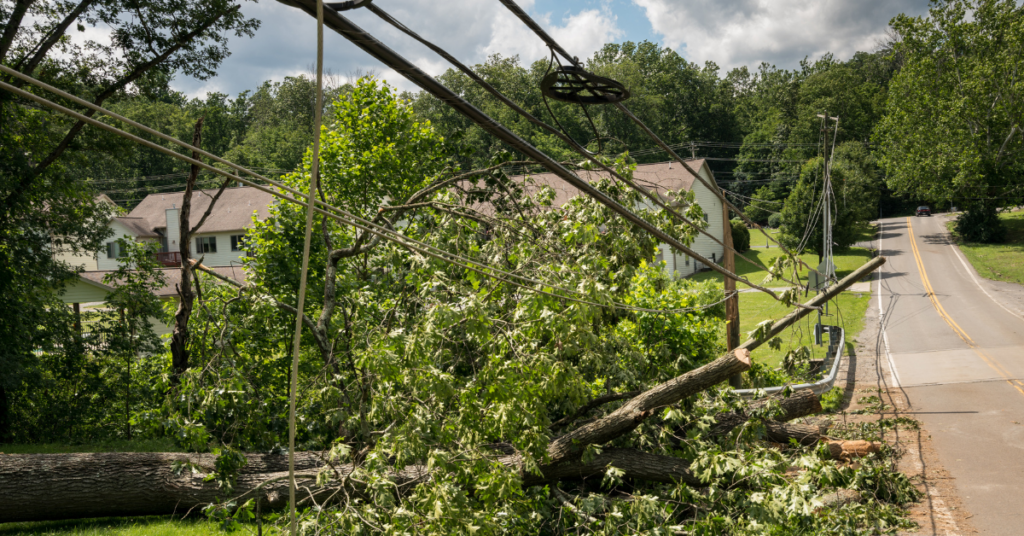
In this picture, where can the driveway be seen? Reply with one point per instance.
(955, 346)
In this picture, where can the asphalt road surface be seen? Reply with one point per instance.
(956, 349)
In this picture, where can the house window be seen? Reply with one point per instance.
(236, 242)
(206, 244)
(114, 252)
(687, 257)
(163, 244)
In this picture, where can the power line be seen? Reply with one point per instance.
(377, 49)
(332, 212)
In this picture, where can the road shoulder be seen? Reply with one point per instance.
(1010, 296)
(872, 397)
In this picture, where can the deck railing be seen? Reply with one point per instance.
(169, 258)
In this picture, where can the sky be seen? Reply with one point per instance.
(731, 33)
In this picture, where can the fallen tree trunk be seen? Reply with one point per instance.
(38, 487)
(67, 486)
(799, 404)
(640, 408)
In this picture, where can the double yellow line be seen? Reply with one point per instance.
(1016, 384)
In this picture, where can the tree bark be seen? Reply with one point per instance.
(179, 337)
(799, 404)
(38, 487)
(12, 26)
(637, 410)
(69, 486)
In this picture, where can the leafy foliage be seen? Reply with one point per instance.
(854, 201)
(740, 235)
(960, 76)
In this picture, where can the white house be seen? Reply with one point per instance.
(156, 218)
(218, 241)
(659, 179)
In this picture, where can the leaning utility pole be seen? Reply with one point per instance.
(732, 302)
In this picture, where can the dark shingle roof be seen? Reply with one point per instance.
(233, 211)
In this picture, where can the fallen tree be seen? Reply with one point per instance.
(63, 486)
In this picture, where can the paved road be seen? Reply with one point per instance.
(958, 355)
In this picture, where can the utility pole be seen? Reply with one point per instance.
(826, 232)
(732, 304)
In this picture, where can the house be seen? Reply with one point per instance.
(218, 241)
(659, 178)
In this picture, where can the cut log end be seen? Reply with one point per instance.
(848, 450)
(743, 355)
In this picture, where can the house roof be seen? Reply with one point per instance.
(172, 277)
(137, 226)
(233, 211)
(657, 178)
(104, 198)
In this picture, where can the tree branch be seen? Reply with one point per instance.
(132, 76)
(640, 408)
(278, 303)
(213, 202)
(1009, 137)
(593, 404)
(438, 185)
(12, 26)
(52, 38)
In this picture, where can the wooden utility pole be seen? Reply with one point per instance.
(732, 305)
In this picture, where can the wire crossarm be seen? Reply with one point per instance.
(571, 83)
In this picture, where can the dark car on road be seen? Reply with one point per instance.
(924, 211)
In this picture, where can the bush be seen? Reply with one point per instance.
(740, 236)
(775, 220)
(981, 224)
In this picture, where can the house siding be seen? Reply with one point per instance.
(224, 256)
(80, 291)
(681, 265)
(102, 262)
(81, 261)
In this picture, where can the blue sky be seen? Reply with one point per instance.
(731, 33)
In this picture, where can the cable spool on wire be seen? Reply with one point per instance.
(569, 83)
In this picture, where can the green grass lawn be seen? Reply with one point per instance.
(1001, 262)
(756, 307)
(120, 526)
(846, 262)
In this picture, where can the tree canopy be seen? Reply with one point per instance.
(952, 127)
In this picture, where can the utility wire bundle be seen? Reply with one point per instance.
(392, 59)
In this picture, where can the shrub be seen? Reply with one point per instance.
(740, 236)
(775, 220)
(981, 224)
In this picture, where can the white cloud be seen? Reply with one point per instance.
(470, 30)
(733, 33)
(581, 34)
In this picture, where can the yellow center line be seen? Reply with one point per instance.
(949, 319)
